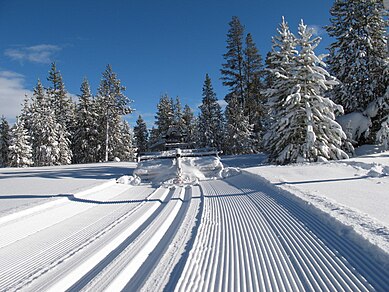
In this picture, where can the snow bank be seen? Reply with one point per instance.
(353, 192)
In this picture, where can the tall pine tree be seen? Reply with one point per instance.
(44, 130)
(85, 141)
(141, 135)
(359, 56)
(233, 70)
(211, 120)
(4, 142)
(239, 130)
(164, 118)
(112, 104)
(304, 126)
(20, 150)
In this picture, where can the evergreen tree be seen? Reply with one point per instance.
(87, 133)
(4, 142)
(179, 123)
(233, 70)
(359, 56)
(64, 112)
(61, 102)
(211, 120)
(304, 127)
(123, 149)
(20, 151)
(239, 129)
(280, 81)
(253, 74)
(164, 117)
(44, 130)
(189, 126)
(112, 104)
(26, 113)
(141, 135)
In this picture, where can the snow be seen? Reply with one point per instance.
(199, 223)
(353, 191)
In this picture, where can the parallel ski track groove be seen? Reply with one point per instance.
(144, 271)
(251, 238)
(22, 271)
(336, 259)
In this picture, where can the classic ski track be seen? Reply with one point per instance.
(18, 268)
(168, 269)
(122, 270)
(252, 240)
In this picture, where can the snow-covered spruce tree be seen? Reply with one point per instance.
(111, 105)
(20, 150)
(141, 135)
(359, 56)
(44, 130)
(124, 149)
(178, 116)
(239, 130)
(382, 135)
(190, 127)
(211, 120)
(25, 114)
(280, 82)
(64, 111)
(304, 127)
(253, 73)
(233, 70)
(85, 141)
(4, 142)
(164, 118)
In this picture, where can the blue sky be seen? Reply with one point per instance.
(155, 47)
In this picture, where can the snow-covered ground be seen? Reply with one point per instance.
(321, 226)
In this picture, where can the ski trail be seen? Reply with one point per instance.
(33, 256)
(139, 257)
(251, 238)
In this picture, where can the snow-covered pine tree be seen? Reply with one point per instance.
(239, 130)
(141, 135)
(359, 55)
(178, 116)
(20, 150)
(61, 103)
(4, 142)
(233, 70)
(189, 127)
(304, 127)
(25, 114)
(164, 118)
(123, 148)
(254, 106)
(112, 104)
(44, 130)
(280, 82)
(85, 141)
(211, 120)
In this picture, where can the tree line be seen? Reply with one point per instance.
(52, 129)
(295, 106)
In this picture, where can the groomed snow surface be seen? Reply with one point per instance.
(236, 226)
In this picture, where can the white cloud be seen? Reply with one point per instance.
(12, 92)
(37, 54)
